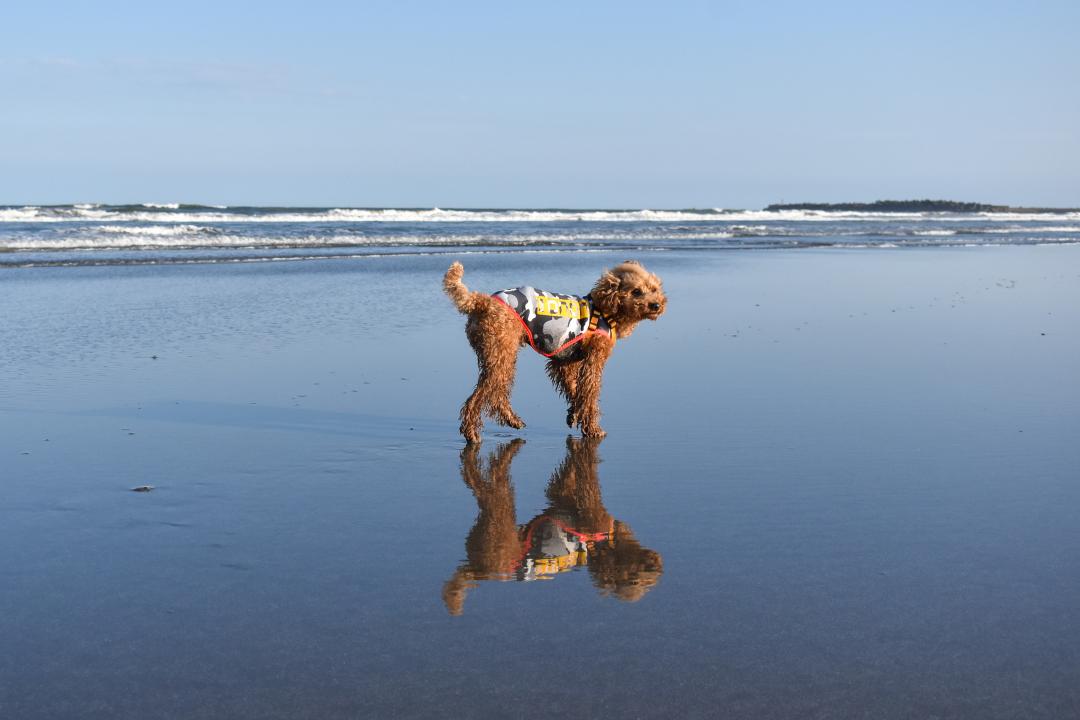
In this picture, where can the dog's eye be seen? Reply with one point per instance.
(637, 292)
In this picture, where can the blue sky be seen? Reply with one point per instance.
(583, 104)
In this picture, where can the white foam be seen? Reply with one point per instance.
(510, 216)
(193, 236)
(1033, 229)
(23, 214)
(99, 213)
(154, 230)
(1055, 228)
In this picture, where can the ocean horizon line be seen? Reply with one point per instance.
(881, 205)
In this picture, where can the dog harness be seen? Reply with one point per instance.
(552, 545)
(554, 322)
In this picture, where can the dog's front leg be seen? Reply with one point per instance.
(564, 375)
(586, 401)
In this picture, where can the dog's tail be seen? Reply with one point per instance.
(465, 299)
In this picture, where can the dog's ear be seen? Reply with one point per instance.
(605, 293)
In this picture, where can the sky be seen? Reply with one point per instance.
(557, 104)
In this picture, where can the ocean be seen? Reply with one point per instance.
(174, 233)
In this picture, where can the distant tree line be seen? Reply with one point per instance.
(913, 206)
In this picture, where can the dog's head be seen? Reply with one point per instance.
(623, 568)
(630, 293)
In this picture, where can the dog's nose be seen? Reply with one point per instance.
(654, 306)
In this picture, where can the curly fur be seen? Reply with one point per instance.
(625, 294)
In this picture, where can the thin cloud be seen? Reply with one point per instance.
(139, 74)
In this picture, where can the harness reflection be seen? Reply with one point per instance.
(574, 531)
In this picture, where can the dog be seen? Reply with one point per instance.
(577, 335)
(574, 531)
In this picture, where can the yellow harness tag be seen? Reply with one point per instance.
(561, 307)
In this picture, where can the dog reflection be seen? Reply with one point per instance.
(575, 530)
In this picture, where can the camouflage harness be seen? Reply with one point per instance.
(554, 322)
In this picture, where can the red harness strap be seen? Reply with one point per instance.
(583, 537)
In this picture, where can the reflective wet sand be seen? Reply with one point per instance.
(836, 484)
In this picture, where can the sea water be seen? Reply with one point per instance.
(155, 233)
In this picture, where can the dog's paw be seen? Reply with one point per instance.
(509, 418)
(471, 433)
(570, 418)
(594, 431)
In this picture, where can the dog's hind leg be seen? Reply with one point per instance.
(496, 354)
(503, 369)
(564, 376)
(504, 413)
(471, 411)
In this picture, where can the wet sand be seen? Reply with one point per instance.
(837, 484)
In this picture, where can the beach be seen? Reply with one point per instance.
(856, 468)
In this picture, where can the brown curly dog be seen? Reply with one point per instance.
(576, 334)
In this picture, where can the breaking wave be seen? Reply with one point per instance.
(183, 213)
(91, 233)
